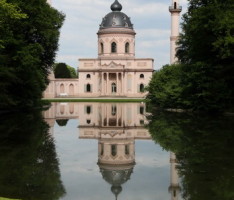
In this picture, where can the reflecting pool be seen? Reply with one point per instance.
(115, 151)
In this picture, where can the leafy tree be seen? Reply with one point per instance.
(29, 42)
(204, 147)
(72, 72)
(206, 46)
(62, 122)
(61, 71)
(29, 164)
(164, 87)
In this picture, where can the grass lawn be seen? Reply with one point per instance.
(1, 198)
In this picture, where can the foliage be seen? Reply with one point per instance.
(204, 149)
(206, 56)
(62, 122)
(62, 70)
(29, 165)
(164, 88)
(72, 72)
(29, 41)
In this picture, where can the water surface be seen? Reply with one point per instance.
(115, 150)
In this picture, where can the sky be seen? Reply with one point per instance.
(151, 20)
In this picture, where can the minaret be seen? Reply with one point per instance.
(174, 188)
(175, 10)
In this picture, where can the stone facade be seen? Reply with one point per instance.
(116, 72)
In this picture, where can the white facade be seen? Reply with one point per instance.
(116, 72)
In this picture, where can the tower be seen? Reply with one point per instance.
(174, 188)
(175, 10)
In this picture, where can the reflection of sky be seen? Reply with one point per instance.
(83, 181)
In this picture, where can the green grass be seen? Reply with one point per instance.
(95, 100)
(1, 198)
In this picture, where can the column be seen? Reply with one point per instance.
(107, 84)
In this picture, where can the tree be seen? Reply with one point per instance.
(61, 71)
(165, 87)
(204, 147)
(29, 164)
(72, 72)
(29, 43)
(206, 47)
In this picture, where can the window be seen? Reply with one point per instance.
(113, 149)
(141, 110)
(127, 47)
(113, 47)
(113, 110)
(142, 87)
(88, 88)
(88, 76)
(175, 6)
(114, 89)
(102, 48)
(127, 149)
(88, 109)
(142, 122)
(88, 121)
(102, 149)
(142, 76)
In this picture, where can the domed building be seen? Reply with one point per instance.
(116, 72)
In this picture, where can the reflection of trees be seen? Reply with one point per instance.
(62, 122)
(28, 164)
(204, 150)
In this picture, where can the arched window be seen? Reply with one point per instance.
(113, 149)
(142, 87)
(127, 149)
(88, 88)
(113, 47)
(175, 6)
(62, 89)
(88, 121)
(102, 48)
(113, 88)
(127, 47)
(88, 76)
(113, 110)
(88, 110)
(142, 76)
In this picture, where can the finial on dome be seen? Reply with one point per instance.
(116, 6)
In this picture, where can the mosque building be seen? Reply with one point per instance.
(116, 72)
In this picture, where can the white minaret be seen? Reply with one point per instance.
(174, 188)
(175, 10)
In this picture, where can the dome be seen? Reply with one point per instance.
(116, 19)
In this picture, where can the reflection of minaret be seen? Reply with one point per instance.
(174, 188)
(175, 10)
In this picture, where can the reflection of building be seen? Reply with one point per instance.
(116, 126)
(116, 72)
(174, 188)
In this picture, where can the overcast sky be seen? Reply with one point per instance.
(151, 20)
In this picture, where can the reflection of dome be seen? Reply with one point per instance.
(116, 175)
(116, 19)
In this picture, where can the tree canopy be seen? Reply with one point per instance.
(62, 70)
(204, 78)
(29, 32)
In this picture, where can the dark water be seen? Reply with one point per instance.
(84, 151)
